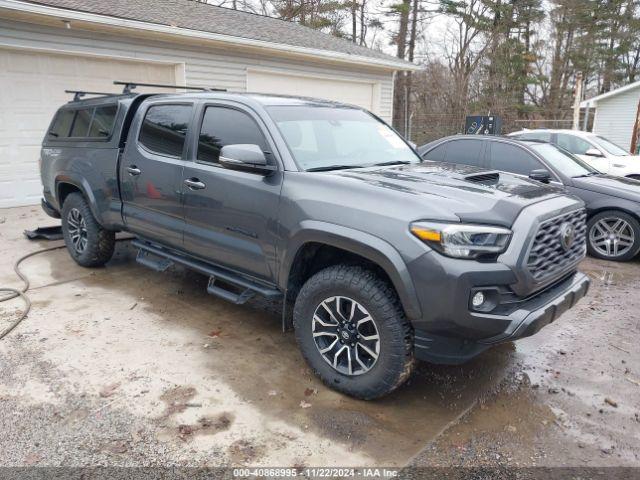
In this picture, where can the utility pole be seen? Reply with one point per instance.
(576, 101)
(406, 113)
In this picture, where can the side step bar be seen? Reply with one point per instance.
(159, 264)
(164, 259)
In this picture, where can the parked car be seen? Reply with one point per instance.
(322, 205)
(602, 154)
(613, 203)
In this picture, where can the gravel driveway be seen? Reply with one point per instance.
(123, 366)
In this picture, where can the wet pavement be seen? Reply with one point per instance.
(572, 396)
(126, 366)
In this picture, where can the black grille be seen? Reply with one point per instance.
(548, 256)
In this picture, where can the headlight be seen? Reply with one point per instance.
(462, 241)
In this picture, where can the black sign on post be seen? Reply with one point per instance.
(483, 125)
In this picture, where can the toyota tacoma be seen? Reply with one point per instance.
(382, 258)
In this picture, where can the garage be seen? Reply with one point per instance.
(32, 87)
(52, 45)
(353, 92)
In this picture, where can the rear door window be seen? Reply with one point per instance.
(62, 124)
(466, 152)
(103, 120)
(513, 159)
(164, 129)
(226, 126)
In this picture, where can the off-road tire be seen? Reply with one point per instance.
(395, 361)
(633, 223)
(100, 242)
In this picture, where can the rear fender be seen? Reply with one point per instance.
(83, 185)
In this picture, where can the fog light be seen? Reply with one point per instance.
(477, 300)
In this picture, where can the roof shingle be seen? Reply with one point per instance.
(197, 16)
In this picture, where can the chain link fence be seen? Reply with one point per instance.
(422, 128)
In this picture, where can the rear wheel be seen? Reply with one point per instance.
(88, 243)
(613, 235)
(353, 333)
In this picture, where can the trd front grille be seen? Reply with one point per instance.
(548, 255)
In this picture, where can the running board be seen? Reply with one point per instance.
(154, 262)
(248, 288)
(237, 298)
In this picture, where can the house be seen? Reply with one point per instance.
(617, 115)
(48, 46)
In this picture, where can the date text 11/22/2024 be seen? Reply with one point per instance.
(311, 472)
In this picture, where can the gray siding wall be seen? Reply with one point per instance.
(615, 117)
(203, 65)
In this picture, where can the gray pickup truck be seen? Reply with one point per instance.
(383, 258)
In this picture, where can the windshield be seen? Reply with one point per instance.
(609, 146)
(327, 138)
(563, 161)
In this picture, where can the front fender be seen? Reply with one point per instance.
(360, 243)
(601, 204)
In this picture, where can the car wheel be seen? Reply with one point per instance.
(613, 235)
(89, 244)
(353, 332)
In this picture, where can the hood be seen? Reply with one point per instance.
(627, 160)
(474, 195)
(626, 165)
(620, 187)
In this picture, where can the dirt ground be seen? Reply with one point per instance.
(123, 366)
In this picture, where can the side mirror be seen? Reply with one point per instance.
(246, 157)
(540, 175)
(594, 152)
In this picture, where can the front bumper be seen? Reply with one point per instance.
(545, 308)
(467, 333)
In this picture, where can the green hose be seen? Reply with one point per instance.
(22, 293)
(14, 292)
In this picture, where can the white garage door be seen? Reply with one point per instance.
(32, 87)
(356, 93)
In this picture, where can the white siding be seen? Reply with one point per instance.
(615, 117)
(203, 65)
(32, 86)
(86, 51)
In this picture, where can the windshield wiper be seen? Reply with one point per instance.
(332, 167)
(590, 174)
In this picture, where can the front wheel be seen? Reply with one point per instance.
(353, 332)
(613, 235)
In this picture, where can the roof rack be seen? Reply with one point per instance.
(129, 86)
(78, 94)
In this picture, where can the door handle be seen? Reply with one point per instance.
(194, 184)
(133, 170)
